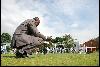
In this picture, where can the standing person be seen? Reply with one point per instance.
(26, 37)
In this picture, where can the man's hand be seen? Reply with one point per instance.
(49, 38)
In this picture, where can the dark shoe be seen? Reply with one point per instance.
(30, 53)
(25, 54)
(19, 55)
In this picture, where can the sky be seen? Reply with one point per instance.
(80, 18)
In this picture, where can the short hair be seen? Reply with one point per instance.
(35, 18)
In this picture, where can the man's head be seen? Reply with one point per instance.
(37, 21)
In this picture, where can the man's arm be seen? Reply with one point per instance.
(34, 31)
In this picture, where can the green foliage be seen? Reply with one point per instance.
(8, 48)
(66, 39)
(64, 59)
(5, 38)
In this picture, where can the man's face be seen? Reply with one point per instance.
(37, 21)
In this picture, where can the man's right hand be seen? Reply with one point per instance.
(49, 38)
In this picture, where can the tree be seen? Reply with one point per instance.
(57, 40)
(68, 41)
(5, 38)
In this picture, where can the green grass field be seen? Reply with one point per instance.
(64, 59)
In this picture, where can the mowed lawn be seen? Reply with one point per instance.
(58, 59)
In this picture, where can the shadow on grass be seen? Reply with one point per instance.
(15, 57)
(9, 56)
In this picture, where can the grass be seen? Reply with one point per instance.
(64, 59)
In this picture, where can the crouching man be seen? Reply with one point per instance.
(26, 37)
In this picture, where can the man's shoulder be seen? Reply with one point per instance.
(30, 21)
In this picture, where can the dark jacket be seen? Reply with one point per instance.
(27, 33)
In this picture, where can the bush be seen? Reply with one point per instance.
(8, 48)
